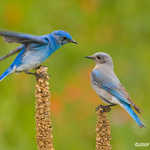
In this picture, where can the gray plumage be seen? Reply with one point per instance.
(108, 87)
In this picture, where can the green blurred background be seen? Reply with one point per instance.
(118, 27)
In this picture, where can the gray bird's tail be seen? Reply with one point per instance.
(128, 108)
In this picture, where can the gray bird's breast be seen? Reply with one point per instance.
(105, 96)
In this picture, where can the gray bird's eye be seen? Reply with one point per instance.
(98, 57)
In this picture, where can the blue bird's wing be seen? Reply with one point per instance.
(22, 38)
(110, 83)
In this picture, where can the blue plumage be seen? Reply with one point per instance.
(34, 49)
(6, 73)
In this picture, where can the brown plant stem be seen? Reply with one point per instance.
(44, 135)
(103, 130)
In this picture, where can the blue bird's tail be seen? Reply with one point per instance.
(6, 73)
(128, 108)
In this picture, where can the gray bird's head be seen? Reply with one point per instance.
(101, 58)
(63, 37)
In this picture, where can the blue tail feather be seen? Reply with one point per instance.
(125, 104)
(6, 73)
(128, 108)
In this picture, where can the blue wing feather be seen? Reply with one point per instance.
(116, 94)
(22, 38)
(110, 84)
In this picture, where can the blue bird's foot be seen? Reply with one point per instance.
(38, 67)
(30, 73)
(105, 108)
(35, 74)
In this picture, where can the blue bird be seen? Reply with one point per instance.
(34, 49)
(108, 87)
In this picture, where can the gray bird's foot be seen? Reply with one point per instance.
(105, 108)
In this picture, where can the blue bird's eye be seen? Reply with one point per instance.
(64, 38)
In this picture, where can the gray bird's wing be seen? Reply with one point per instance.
(108, 81)
(129, 98)
(22, 38)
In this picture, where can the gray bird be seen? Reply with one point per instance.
(108, 87)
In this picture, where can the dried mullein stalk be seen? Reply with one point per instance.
(103, 130)
(43, 114)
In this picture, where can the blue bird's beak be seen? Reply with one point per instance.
(73, 41)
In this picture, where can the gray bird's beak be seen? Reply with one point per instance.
(73, 41)
(89, 57)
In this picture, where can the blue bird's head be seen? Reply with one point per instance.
(63, 37)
